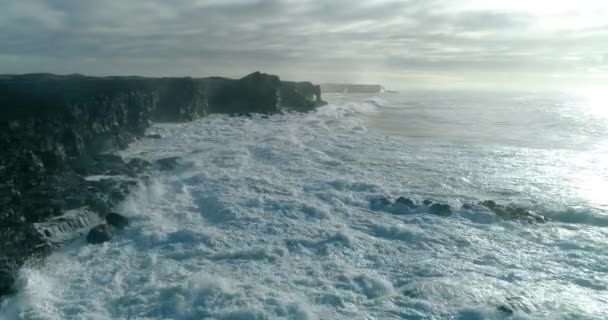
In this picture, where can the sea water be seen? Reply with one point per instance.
(269, 218)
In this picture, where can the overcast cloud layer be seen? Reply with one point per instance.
(426, 42)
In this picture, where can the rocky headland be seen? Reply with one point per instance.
(57, 132)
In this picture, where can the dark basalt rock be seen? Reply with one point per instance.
(139, 165)
(117, 220)
(100, 234)
(439, 209)
(379, 203)
(406, 202)
(300, 96)
(167, 164)
(257, 93)
(6, 282)
(505, 310)
(403, 206)
(514, 213)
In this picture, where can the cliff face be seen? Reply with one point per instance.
(300, 96)
(54, 130)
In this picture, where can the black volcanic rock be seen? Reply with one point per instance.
(117, 220)
(167, 164)
(440, 209)
(406, 202)
(300, 96)
(514, 213)
(100, 234)
(257, 93)
(379, 203)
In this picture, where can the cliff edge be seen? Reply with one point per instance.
(57, 130)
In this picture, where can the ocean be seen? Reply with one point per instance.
(270, 217)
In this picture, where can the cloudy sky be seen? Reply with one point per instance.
(399, 43)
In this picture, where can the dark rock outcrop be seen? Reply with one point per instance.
(405, 206)
(440, 209)
(300, 96)
(379, 203)
(100, 234)
(117, 220)
(514, 213)
(55, 130)
(257, 93)
(167, 164)
(406, 202)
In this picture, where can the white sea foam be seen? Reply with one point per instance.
(270, 219)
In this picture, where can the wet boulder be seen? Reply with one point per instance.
(403, 206)
(379, 203)
(6, 282)
(98, 202)
(167, 164)
(410, 203)
(138, 165)
(505, 310)
(514, 213)
(117, 220)
(440, 209)
(100, 234)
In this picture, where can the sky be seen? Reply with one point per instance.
(401, 44)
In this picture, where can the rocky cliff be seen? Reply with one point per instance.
(56, 130)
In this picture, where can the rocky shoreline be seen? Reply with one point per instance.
(57, 132)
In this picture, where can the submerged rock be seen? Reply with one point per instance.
(117, 220)
(167, 164)
(379, 203)
(506, 310)
(406, 202)
(514, 213)
(139, 165)
(100, 234)
(403, 206)
(440, 209)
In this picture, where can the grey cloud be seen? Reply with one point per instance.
(284, 36)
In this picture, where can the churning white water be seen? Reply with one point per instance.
(268, 218)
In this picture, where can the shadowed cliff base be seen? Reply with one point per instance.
(57, 130)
